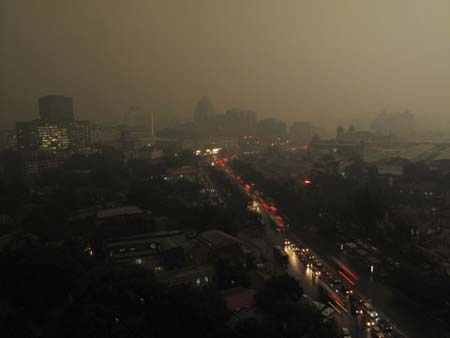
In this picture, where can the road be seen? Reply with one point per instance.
(310, 283)
(407, 318)
(395, 306)
(296, 268)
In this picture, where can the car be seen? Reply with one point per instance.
(328, 313)
(328, 273)
(345, 333)
(377, 332)
(287, 242)
(316, 271)
(304, 250)
(346, 291)
(385, 325)
(295, 248)
(370, 310)
(317, 263)
(370, 322)
(335, 281)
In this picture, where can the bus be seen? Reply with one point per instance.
(280, 254)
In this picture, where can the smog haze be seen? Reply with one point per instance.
(321, 60)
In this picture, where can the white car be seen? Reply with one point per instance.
(370, 310)
(346, 333)
(328, 313)
(377, 332)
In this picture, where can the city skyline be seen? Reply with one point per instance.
(325, 62)
(225, 168)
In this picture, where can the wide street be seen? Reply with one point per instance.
(407, 318)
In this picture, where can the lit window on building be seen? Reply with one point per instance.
(52, 137)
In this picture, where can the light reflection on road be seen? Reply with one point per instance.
(295, 268)
(311, 284)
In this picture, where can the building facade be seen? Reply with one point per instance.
(8, 139)
(203, 111)
(79, 134)
(41, 135)
(45, 135)
(55, 130)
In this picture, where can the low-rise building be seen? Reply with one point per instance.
(336, 149)
(221, 245)
(121, 222)
(391, 167)
(164, 250)
(198, 276)
(186, 172)
(239, 298)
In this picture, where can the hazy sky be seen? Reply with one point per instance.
(297, 59)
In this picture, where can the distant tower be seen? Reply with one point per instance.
(204, 110)
(56, 108)
(130, 116)
(152, 124)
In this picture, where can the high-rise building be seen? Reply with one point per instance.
(79, 134)
(401, 125)
(240, 122)
(56, 130)
(42, 135)
(204, 110)
(26, 136)
(271, 129)
(131, 116)
(300, 133)
(56, 108)
(8, 139)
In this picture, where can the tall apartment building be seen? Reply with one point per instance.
(56, 108)
(56, 129)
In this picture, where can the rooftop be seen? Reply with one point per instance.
(239, 298)
(182, 171)
(185, 275)
(121, 211)
(217, 238)
(158, 236)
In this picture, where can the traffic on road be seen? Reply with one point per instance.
(338, 297)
